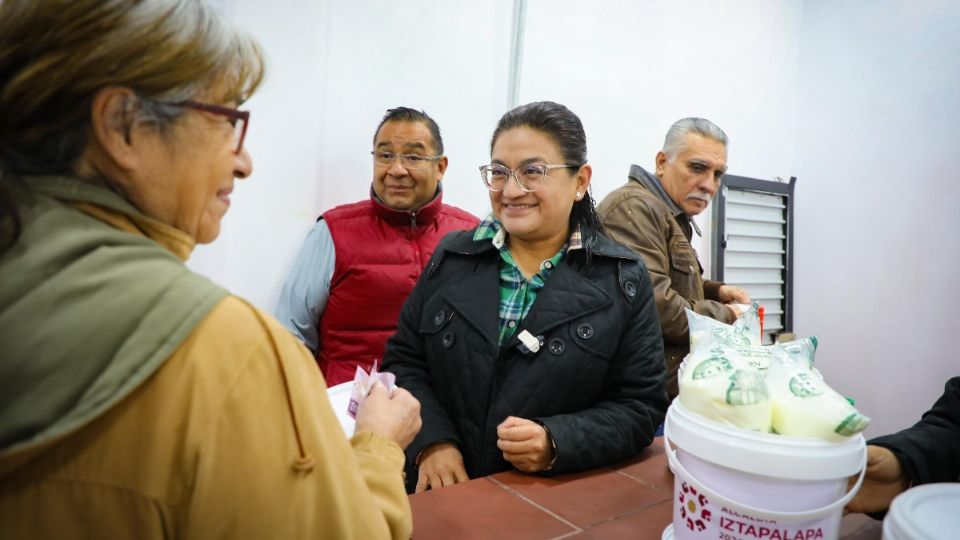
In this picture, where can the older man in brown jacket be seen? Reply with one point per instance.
(653, 215)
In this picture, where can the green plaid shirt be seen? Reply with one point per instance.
(517, 294)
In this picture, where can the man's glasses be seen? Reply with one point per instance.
(409, 161)
(529, 177)
(237, 118)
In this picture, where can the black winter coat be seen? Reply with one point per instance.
(930, 450)
(597, 382)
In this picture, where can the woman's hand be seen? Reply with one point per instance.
(525, 444)
(440, 465)
(883, 481)
(396, 417)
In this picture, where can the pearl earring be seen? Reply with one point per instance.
(579, 195)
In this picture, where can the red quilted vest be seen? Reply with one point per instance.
(380, 254)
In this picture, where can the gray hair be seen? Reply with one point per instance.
(676, 139)
(56, 55)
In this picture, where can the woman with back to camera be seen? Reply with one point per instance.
(137, 399)
(531, 341)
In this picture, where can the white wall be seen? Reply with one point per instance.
(269, 212)
(633, 68)
(854, 98)
(335, 68)
(878, 260)
(628, 71)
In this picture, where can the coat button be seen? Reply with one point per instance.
(585, 331)
(447, 340)
(439, 317)
(556, 346)
(630, 288)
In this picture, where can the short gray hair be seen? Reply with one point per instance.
(676, 139)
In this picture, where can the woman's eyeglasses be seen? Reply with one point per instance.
(529, 177)
(237, 118)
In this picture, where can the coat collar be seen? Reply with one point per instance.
(109, 207)
(640, 175)
(568, 294)
(87, 260)
(592, 241)
(425, 214)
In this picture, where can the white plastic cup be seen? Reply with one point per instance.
(927, 512)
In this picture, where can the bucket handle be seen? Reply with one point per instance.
(678, 467)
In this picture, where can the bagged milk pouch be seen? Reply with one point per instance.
(745, 330)
(743, 336)
(726, 389)
(718, 383)
(803, 404)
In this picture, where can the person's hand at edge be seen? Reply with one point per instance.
(396, 417)
(884, 480)
(440, 465)
(729, 294)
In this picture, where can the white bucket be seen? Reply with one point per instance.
(735, 484)
(927, 512)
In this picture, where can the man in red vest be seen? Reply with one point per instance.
(361, 260)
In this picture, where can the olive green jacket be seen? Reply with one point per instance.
(87, 311)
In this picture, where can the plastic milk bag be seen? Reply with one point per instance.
(743, 336)
(716, 380)
(803, 404)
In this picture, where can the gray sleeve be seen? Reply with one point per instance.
(307, 287)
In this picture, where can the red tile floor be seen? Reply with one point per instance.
(631, 500)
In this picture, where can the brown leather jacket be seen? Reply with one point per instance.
(649, 223)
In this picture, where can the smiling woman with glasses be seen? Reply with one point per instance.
(136, 395)
(531, 341)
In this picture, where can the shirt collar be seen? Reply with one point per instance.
(491, 229)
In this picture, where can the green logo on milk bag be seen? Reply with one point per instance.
(851, 425)
(747, 388)
(713, 366)
(804, 385)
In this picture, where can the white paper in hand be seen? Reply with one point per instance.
(340, 400)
